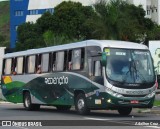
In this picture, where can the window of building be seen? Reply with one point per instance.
(31, 64)
(19, 66)
(33, 12)
(19, 13)
(148, 12)
(18, 0)
(16, 27)
(50, 10)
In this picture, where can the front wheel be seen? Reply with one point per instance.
(81, 104)
(28, 103)
(124, 110)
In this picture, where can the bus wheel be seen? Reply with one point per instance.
(124, 110)
(28, 103)
(81, 104)
(63, 108)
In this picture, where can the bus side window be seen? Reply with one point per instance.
(38, 63)
(97, 68)
(82, 58)
(45, 62)
(60, 61)
(19, 67)
(76, 59)
(3, 67)
(31, 64)
(65, 61)
(54, 62)
(14, 66)
(70, 60)
(90, 68)
(8, 66)
(50, 62)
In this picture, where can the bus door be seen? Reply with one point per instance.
(95, 70)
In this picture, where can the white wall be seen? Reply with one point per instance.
(1, 56)
(40, 4)
(1, 63)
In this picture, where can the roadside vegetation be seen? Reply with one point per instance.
(157, 103)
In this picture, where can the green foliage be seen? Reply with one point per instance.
(52, 39)
(29, 37)
(71, 21)
(4, 24)
(120, 21)
(156, 103)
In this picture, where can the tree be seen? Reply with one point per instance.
(45, 22)
(29, 37)
(52, 39)
(120, 21)
(70, 18)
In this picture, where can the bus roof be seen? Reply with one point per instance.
(101, 43)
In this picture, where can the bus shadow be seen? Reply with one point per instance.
(93, 113)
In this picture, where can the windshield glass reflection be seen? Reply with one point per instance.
(129, 66)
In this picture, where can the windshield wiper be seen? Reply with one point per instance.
(132, 69)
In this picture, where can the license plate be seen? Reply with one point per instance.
(134, 101)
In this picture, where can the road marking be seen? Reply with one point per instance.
(113, 121)
(156, 127)
(91, 118)
(100, 119)
(21, 127)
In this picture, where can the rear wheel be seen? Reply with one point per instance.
(81, 104)
(63, 108)
(124, 110)
(28, 103)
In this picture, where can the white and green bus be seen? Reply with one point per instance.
(90, 75)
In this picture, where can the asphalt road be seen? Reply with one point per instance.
(70, 119)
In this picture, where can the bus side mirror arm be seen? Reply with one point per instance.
(104, 59)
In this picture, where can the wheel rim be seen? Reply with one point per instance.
(81, 104)
(27, 102)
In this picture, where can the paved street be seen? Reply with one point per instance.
(94, 120)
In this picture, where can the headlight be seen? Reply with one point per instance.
(111, 92)
(151, 94)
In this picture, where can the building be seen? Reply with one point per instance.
(152, 8)
(26, 11)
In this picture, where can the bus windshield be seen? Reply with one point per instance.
(129, 66)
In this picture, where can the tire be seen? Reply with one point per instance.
(81, 104)
(124, 111)
(63, 108)
(28, 103)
